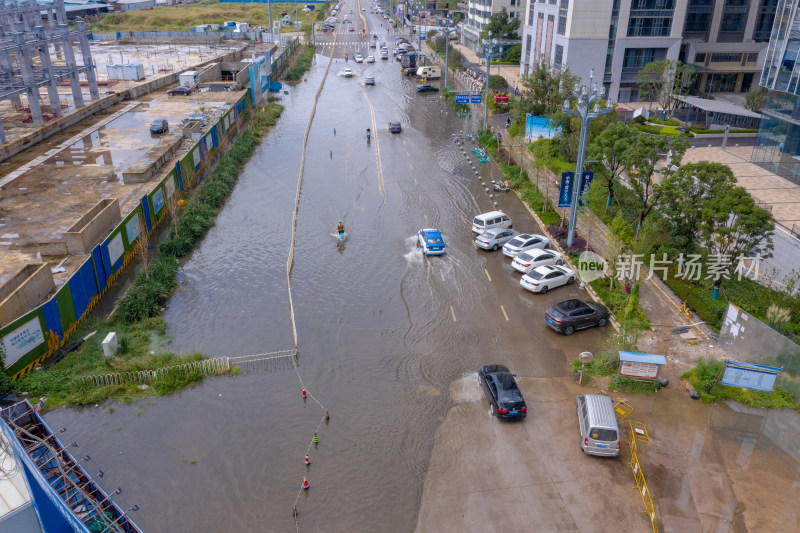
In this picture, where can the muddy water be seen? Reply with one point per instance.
(383, 331)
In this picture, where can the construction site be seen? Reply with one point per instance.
(77, 155)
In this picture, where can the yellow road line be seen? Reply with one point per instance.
(381, 184)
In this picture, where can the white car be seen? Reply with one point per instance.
(542, 279)
(359, 58)
(347, 73)
(370, 59)
(527, 261)
(384, 54)
(523, 243)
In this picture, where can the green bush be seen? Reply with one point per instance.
(703, 378)
(302, 65)
(667, 122)
(623, 384)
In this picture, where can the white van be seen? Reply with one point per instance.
(598, 425)
(493, 219)
(429, 72)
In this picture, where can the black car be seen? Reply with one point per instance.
(427, 89)
(500, 387)
(179, 91)
(159, 125)
(567, 316)
(409, 71)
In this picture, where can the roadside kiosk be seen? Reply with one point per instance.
(643, 366)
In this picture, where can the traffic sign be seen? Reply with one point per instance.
(476, 99)
(462, 98)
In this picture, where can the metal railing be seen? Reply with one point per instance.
(213, 366)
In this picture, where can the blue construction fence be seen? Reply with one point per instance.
(35, 336)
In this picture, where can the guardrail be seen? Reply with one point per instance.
(212, 366)
(638, 475)
(796, 231)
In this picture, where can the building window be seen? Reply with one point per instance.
(649, 27)
(530, 16)
(698, 22)
(559, 56)
(637, 58)
(699, 59)
(764, 20)
(528, 49)
(609, 58)
(726, 57)
(513, 2)
(562, 25)
(733, 22)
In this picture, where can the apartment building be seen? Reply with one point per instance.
(478, 14)
(726, 40)
(777, 146)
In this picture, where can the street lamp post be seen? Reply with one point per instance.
(586, 97)
(487, 44)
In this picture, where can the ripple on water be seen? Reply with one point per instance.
(466, 389)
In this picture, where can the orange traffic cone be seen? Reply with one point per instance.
(305, 483)
(308, 461)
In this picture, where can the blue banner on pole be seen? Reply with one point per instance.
(565, 189)
(586, 180)
(462, 98)
(476, 99)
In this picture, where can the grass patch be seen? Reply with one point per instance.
(703, 378)
(666, 122)
(593, 369)
(141, 347)
(617, 300)
(623, 384)
(301, 65)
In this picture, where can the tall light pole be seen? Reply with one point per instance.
(585, 96)
(269, 15)
(487, 54)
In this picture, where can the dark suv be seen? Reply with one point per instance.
(567, 316)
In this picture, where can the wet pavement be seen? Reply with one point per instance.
(384, 334)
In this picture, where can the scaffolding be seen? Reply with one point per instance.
(36, 53)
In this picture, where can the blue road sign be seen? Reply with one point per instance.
(462, 98)
(565, 190)
(586, 180)
(476, 99)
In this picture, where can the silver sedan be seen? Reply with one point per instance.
(525, 242)
(494, 238)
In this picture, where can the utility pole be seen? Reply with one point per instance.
(446, 65)
(269, 14)
(585, 96)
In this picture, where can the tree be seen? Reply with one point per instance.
(498, 84)
(665, 79)
(143, 244)
(684, 196)
(732, 225)
(501, 26)
(646, 154)
(755, 98)
(612, 148)
(543, 92)
(514, 53)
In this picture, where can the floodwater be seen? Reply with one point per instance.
(383, 332)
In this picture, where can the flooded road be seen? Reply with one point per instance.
(382, 330)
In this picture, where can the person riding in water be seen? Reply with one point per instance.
(340, 229)
(368, 133)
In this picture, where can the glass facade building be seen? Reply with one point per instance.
(777, 146)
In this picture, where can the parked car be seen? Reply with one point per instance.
(542, 279)
(492, 219)
(427, 89)
(494, 238)
(159, 125)
(567, 316)
(179, 91)
(527, 261)
(394, 127)
(409, 71)
(523, 243)
(431, 241)
(505, 399)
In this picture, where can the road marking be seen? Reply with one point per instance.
(442, 273)
(487, 274)
(426, 218)
(415, 181)
(503, 309)
(412, 167)
(407, 154)
(453, 312)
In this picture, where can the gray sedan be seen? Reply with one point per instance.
(494, 238)
(525, 242)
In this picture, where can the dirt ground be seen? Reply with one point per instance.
(708, 467)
